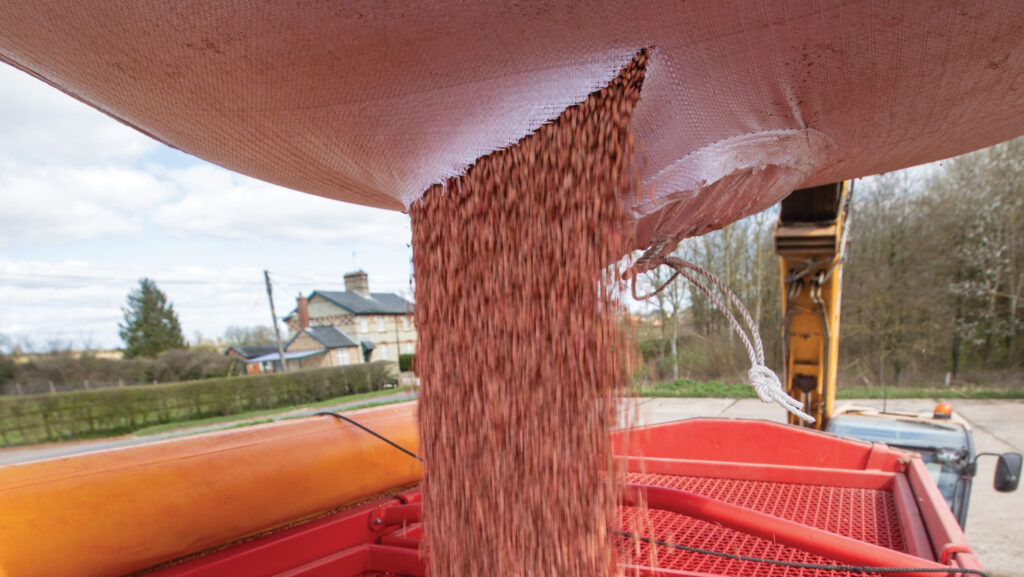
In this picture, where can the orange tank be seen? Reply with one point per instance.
(113, 512)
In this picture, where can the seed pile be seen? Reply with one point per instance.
(519, 357)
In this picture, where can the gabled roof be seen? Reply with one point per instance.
(252, 351)
(357, 304)
(375, 304)
(331, 337)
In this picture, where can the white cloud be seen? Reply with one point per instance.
(42, 125)
(56, 203)
(66, 170)
(223, 204)
(60, 202)
(78, 301)
(70, 174)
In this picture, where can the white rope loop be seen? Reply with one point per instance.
(768, 387)
(764, 380)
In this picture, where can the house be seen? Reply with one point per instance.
(351, 326)
(252, 356)
(271, 362)
(245, 352)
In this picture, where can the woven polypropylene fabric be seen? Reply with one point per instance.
(372, 102)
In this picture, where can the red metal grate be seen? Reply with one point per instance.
(865, 514)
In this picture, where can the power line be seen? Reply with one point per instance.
(111, 280)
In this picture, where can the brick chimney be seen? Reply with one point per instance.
(357, 282)
(302, 309)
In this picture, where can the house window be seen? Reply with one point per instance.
(380, 324)
(410, 348)
(364, 325)
(383, 352)
(342, 356)
(405, 323)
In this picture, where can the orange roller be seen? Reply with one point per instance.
(114, 512)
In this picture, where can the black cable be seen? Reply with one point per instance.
(818, 566)
(372, 432)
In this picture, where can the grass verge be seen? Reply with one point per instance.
(718, 389)
(689, 388)
(187, 432)
(248, 418)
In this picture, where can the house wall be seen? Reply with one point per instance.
(322, 312)
(352, 353)
(319, 307)
(397, 337)
(313, 362)
(304, 342)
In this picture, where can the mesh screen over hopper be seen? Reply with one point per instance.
(372, 102)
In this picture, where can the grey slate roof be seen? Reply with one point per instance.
(378, 303)
(331, 337)
(253, 351)
(276, 356)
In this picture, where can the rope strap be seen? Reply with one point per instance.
(764, 380)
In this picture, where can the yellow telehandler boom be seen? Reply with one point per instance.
(811, 241)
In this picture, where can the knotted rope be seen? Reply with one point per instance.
(764, 380)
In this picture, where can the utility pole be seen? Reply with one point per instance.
(273, 318)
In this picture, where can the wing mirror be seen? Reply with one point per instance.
(1008, 470)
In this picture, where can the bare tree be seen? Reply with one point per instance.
(934, 281)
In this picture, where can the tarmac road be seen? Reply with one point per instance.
(995, 521)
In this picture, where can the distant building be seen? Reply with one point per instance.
(351, 326)
(249, 356)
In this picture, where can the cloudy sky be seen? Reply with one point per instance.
(89, 206)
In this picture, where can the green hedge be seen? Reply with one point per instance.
(83, 414)
(407, 362)
(717, 389)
